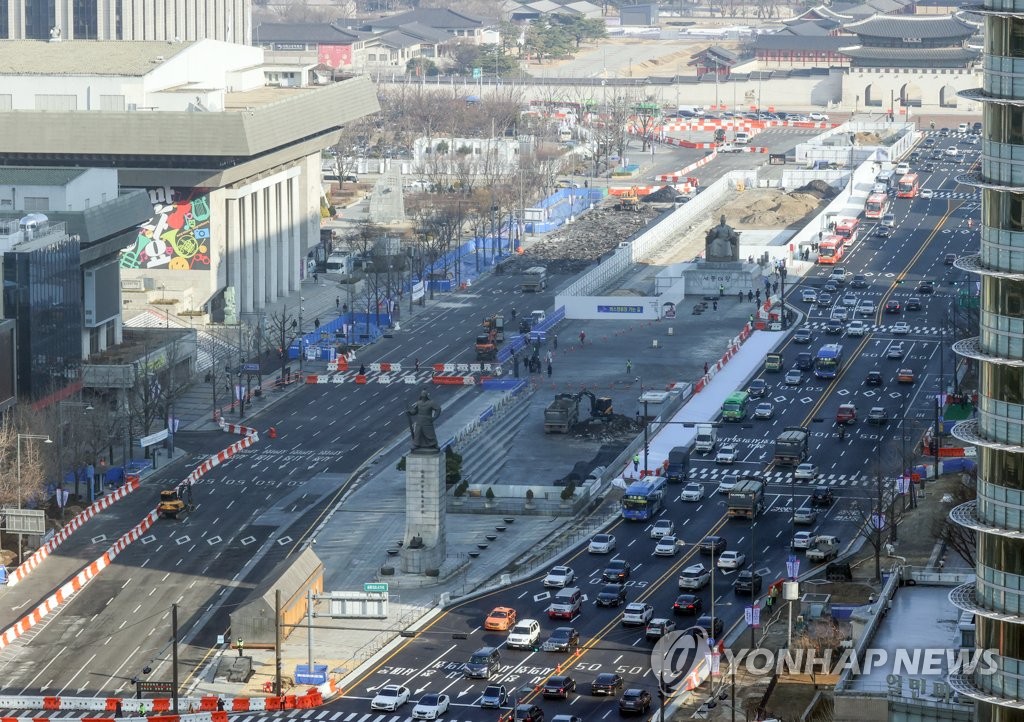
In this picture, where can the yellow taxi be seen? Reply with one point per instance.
(501, 619)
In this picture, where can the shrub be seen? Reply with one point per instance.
(568, 491)
(489, 494)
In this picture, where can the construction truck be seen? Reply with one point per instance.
(170, 504)
(629, 200)
(746, 500)
(791, 446)
(486, 347)
(496, 323)
(564, 412)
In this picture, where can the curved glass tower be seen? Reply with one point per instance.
(997, 596)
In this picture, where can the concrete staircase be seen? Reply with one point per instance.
(486, 446)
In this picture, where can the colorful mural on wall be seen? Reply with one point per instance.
(177, 237)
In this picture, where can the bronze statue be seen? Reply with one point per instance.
(722, 243)
(422, 415)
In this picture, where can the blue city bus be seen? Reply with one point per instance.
(643, 498)
(828, 361)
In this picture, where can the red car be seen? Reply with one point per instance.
(847, 414)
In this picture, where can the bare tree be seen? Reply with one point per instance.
(645, 119)
(158, 380)
(24, 481)
(878, 518)
(961, 539)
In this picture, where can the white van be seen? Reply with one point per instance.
(963, 128)
(902, 169)
(742, 138)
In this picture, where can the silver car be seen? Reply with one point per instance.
(806, 470)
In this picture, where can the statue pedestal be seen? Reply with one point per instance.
(424, 546)
(704, 278)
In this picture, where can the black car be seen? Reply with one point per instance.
(747, 582)
(563, 639)
(606, 683)
(913, 303)
(802, 335)
(950, 259)
(635, 701)
(757, 388)
(713, 545)
(559, 686)
(925, 287)
(834, 326)
(874, 378)
(712, 626)
(617, 571)
(928, 167)
(804, 361)
(529, 713)
(914, 155)
(943, 132)
(859, 281)
(976, 128)
(883, 231)
(688, 605)
(929, 142)
(892, 306)
(611, 595)
(822, 496)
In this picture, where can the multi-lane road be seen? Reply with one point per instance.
(927, 229)
(252, 512)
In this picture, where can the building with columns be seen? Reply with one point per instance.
(230, 161)
(996, 596)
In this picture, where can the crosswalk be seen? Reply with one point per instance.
(784, 477)
(815, 325)
(376, 377)
(313, 715)
(957, 196)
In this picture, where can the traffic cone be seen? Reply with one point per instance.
(273, 432)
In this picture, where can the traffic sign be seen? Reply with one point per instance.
(375, 587)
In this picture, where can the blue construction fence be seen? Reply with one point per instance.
(562, 204)
(363, 328)
(538, 334)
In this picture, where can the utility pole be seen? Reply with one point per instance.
(174, 656)
(277, 643)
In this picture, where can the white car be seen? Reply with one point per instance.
(695, 576)
(667, 546)
(856, 328)
(764, 410)
(900, 327)
(850, 299)
(815, 115)
(602, 544)
(692, 492)
(802, 540)
(726, 455)
(727, 484)
(559, 577)
(952, 152)
(808, 295)
(794, 377)
(524, 634)
(637, 613)
(839, 313)
(731, 560)
(927, 193)
(806, 470)
(431, 706)
(662, 527)
(866, 308)
(390, 697)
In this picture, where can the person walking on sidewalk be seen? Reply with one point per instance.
(721, 290)
(337, 302)
(636, 462)
(739, 295)
(549, 369)
(417, 363)
(315, 278)
(554, 341)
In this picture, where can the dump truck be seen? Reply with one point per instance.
(677, 466)
(704, 441)
(791, 446)
(536, 279)
(629, 200)
(486, 347)
(824, 548)
(495, 323)
(564, 412)
(170, 504)
(746, 500)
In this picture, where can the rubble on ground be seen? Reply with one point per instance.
(665, 194)
(580, 244)
(616, 428)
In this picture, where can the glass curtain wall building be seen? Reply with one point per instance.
(996, 597)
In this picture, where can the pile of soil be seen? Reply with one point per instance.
(818, 188)
(768, 208)
(665, 194)
(617, 427)
(867, 138)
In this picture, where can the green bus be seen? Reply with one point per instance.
(735, 406)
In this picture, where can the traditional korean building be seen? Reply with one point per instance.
(887, 41)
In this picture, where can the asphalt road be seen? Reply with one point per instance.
(926, 230)
(255, 510)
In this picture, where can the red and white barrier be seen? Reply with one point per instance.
(33, 562)
(733, 349)
(251, 437)
(680, 174)
(71, 588)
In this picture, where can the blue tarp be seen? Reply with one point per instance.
(538, 333)
(331, 332)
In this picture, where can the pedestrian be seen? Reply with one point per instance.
(550, 358)
(739, 295)
(750, 295)
(583, 337)
(220, 704)
(554, 342)
(775, 287)
(316, 322)
(629, 367)
(337, 302)
(344, 308)
(721, 290)
(549, 369)
(714, 305)
(362, 372)
(757, 296)
(820, 234)
(142, 710)
(751, 319)
(118, 711)
(417, 363)
(241, 646)
(705, 368)
(636, 460)
(315, 277)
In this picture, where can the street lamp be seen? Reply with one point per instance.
(60, 436)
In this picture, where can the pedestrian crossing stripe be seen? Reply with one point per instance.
(880, 328)
(380, 377)
(316, 715)
(782, 477)
(957, 196)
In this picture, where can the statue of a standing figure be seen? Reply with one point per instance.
(722, 243)
(422, 415)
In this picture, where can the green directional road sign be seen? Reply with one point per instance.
(378, 587)
(478, 73)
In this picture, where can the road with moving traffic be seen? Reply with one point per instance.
(926, 230)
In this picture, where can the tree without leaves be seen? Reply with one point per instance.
(877, 517)
(961, 539)
(37, 461)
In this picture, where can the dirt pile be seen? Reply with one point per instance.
(616, 428)
(768, 208)
(577, 246)
(665, 194)
(867, 138)
(818, 188)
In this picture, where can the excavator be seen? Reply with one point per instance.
(629, 200)
(171, 504)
